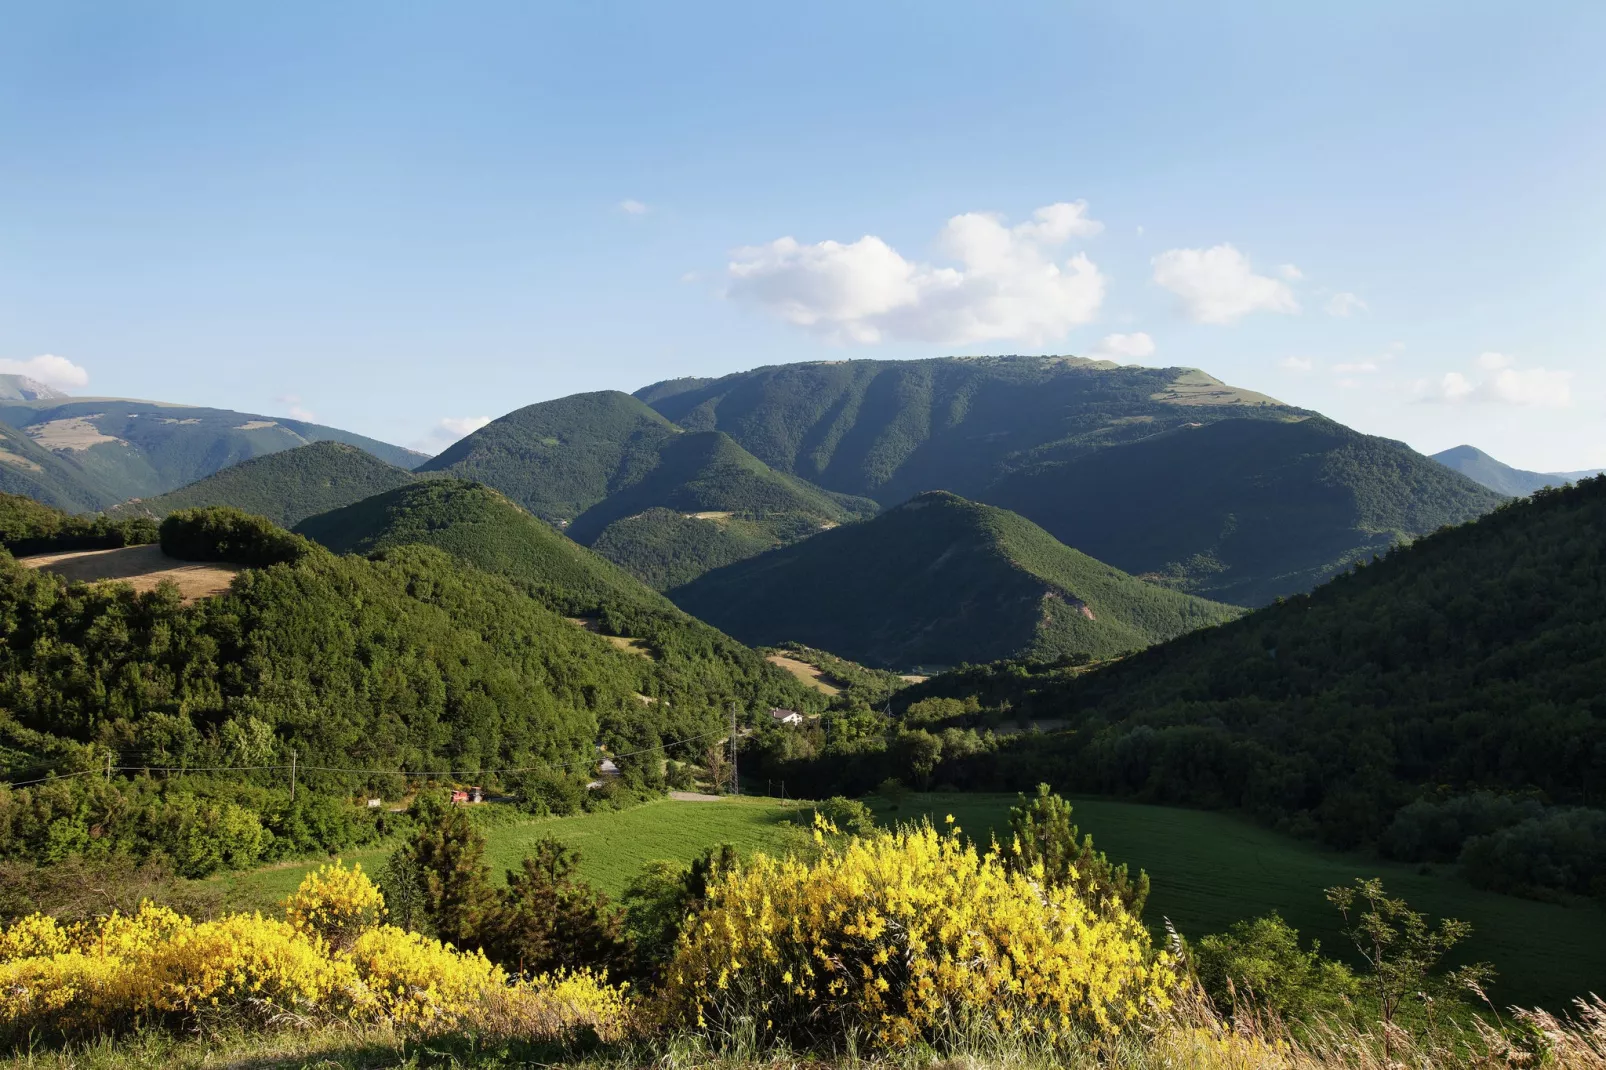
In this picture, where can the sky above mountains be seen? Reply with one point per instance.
(404, 220)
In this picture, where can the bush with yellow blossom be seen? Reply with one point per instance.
(905, 936)
(329, 959)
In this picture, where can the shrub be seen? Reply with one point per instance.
(1259, 963)
(546, 920)
(907, 936)
(1559, 850)
(221, 533)
(155, 966)
(1044, 836)
(846, 815)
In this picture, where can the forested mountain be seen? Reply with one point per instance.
(941, 580)
(107, 450)
(1464, 675)
(286, 487)
(891, 429)
(1243, 510)
(29, 469)
(695, 667)
(664, 504)
(559, 458)
(1502, 478)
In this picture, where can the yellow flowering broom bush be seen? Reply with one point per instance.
(156, 965)
(904, 936)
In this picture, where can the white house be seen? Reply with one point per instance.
(791, 717)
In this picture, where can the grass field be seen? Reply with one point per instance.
(142, 567)
(1208, 870)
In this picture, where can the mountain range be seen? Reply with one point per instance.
(1502, 478)
(87, 454)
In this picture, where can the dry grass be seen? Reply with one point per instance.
(142, 567)
(620, 642)
(73, 433)
(1197, 388)
(805, 672)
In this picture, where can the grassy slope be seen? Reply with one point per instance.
(559, 458)
(286, 487)
(1208, 869)
(940, 580)
(1243, 510)
(160, 447)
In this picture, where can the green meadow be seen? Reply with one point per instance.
(1208, 870)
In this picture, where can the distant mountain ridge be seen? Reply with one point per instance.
(1502, 478)
(940, 580)
(108, 450)
(23, 388)
(286, 487)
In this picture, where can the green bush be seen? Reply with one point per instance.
(223, 533)
(1258, 965)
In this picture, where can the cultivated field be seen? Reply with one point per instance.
(1208, 870)
(142, 567)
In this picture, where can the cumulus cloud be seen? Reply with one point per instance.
(1217, 285)
(1503, 383)
(1134, 346)
(296, 410)
(1344, 304)
(1290, 272)
(448, 430)
(1297, 364)
(1006, 282)
(49, 369)
(632, 207)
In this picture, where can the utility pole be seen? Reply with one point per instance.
(292, 776)
(736, 783)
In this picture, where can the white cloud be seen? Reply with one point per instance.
(1344, 304)
(459, 426)
(1504, 384)
(448, 430)
(1297, 364)
(1134, 346)
(1217, 285)
(632, 207)
(1007, 285)
(1290, 272)
(49, 369)
(1360, 367)
(296, 410)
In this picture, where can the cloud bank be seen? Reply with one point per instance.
(1501, 382)
(1006, 283)
(1217, 285)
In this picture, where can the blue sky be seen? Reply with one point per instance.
(391, 216)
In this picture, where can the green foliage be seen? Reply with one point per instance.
(1258, 965)
(1238, 502)
(694, 671)
(858, 683)
(848, 816)
(1560, 850)
(1402, 951)
(1502, 478)
(664, 549)
(559, 458)
(444, 864)
(545, 919)
(30, 527)
(940, 580)
(1043, 834)
(1472, 659)
(1243, 510)
(285, 487)
(223, 533)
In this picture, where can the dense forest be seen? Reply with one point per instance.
(286, 487)
(941, 581)
(1447, 702)
(361, 667)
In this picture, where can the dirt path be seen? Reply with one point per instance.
(805, 672)
(694, 796)
(141, 566)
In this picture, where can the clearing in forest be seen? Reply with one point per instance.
(142, 567)
(628, 645)
(809, 674)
